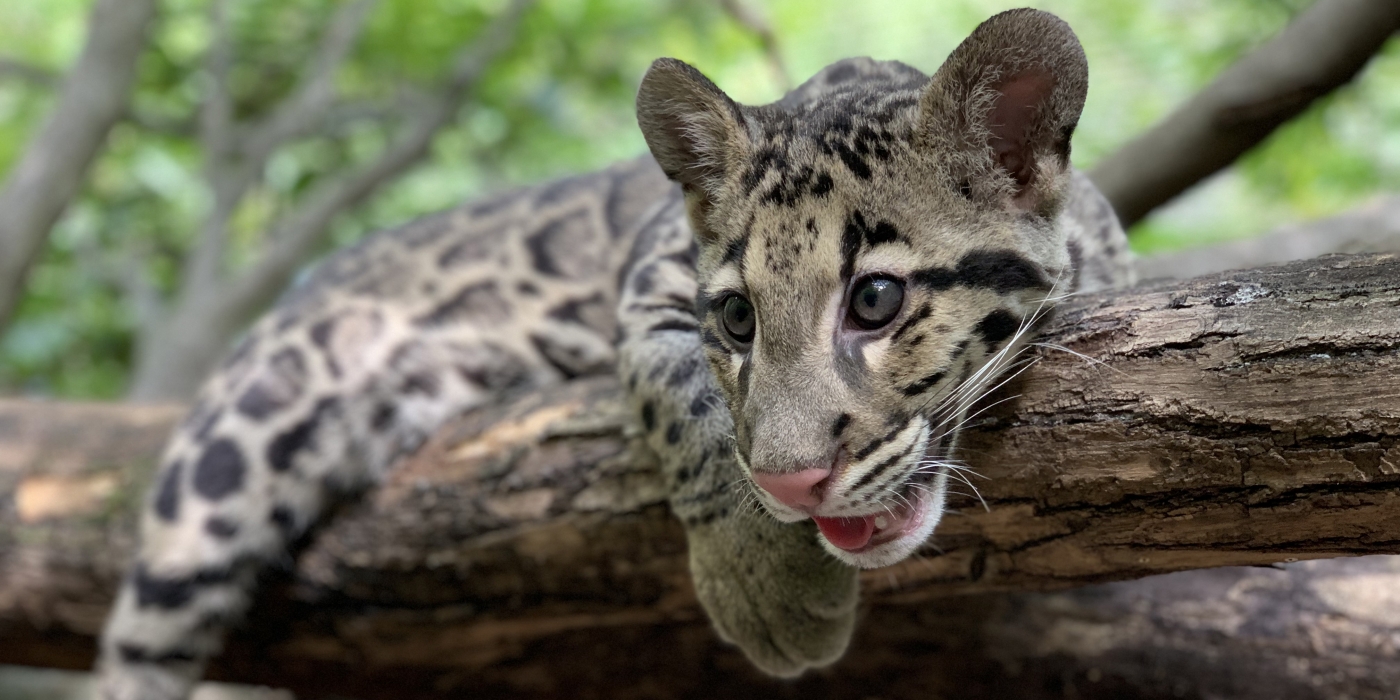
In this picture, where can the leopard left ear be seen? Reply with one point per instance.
(1001, 110)
(693, 129)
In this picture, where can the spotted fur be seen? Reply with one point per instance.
(869, 166)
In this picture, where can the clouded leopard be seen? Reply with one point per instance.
(802, 300)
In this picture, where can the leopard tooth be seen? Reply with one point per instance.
(881, 521)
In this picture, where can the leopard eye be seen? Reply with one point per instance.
(875, 301)
(738, 319)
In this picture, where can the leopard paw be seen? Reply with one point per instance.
(770, 589)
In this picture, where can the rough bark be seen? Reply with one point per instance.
(1320, 50)
(1243, 419)
(52, 168)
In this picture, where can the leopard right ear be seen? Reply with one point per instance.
(1000, 112)
(692, 128)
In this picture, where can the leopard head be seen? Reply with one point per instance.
(874, 248)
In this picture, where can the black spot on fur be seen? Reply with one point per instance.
(673, 433)
(568, 361)
(855, 163)
(321, 335)
(840, 425)
(997, 326)
(134, 654)
(475, 248)
(734, 252)
(423, 383)
(644, 280)
(284, 448)
(564, 233)
(171, 593)
(167, 505)
(914, 319)
(649, 416)
(877, 471)
(220, 470)
(205, 425)
(221, 528)
(875, 444)
(884, 232)
(278, 386)
(683, 371)
(383, 417)
(923, 385)
(674, 325)
(822, 185)
(574, 310)
(700, 405)
(474, 301)
(1001, 271)
(711, 340)
(851, 237)
(284, 520)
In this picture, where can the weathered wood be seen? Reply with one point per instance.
(1245, 418)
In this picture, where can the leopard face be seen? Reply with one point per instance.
(874, 249)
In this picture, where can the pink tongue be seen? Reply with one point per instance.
(847, 533)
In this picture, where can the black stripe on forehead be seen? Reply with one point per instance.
(1001, 271)
(858, 230)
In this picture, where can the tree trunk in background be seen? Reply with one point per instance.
(1321, 50)
(1248, 418)
(55, 163)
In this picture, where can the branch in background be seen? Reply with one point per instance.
(1246, 419)
(28, 72)
(296, 235)
(1372, 228)
(1321, 50)
(48, 174)
(237, 154)
(304, 110)
(210, 308)
(750, 19)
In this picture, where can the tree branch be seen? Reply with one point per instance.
(1241, 419)
(51, 169)
(303, 111)
(1371, 228)
(296, 235)
(751, 20)
(1322, 49)
(38, 76)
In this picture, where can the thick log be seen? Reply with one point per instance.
(1249, 418)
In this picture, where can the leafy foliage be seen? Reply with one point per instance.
(560, 101)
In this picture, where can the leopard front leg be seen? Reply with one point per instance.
(768, 587)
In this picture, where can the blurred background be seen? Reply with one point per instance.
(192, 203)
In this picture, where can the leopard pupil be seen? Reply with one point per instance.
(738, 319)
(876, 302)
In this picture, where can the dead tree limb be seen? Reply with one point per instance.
(1321, 50)
(52, 168)
(1251, 418)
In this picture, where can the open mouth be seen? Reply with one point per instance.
(863, 533)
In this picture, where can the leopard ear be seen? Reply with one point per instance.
(1001, 110)
(692, 128)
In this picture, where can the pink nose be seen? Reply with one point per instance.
(794, 489)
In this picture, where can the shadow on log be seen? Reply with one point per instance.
(1250, 418)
